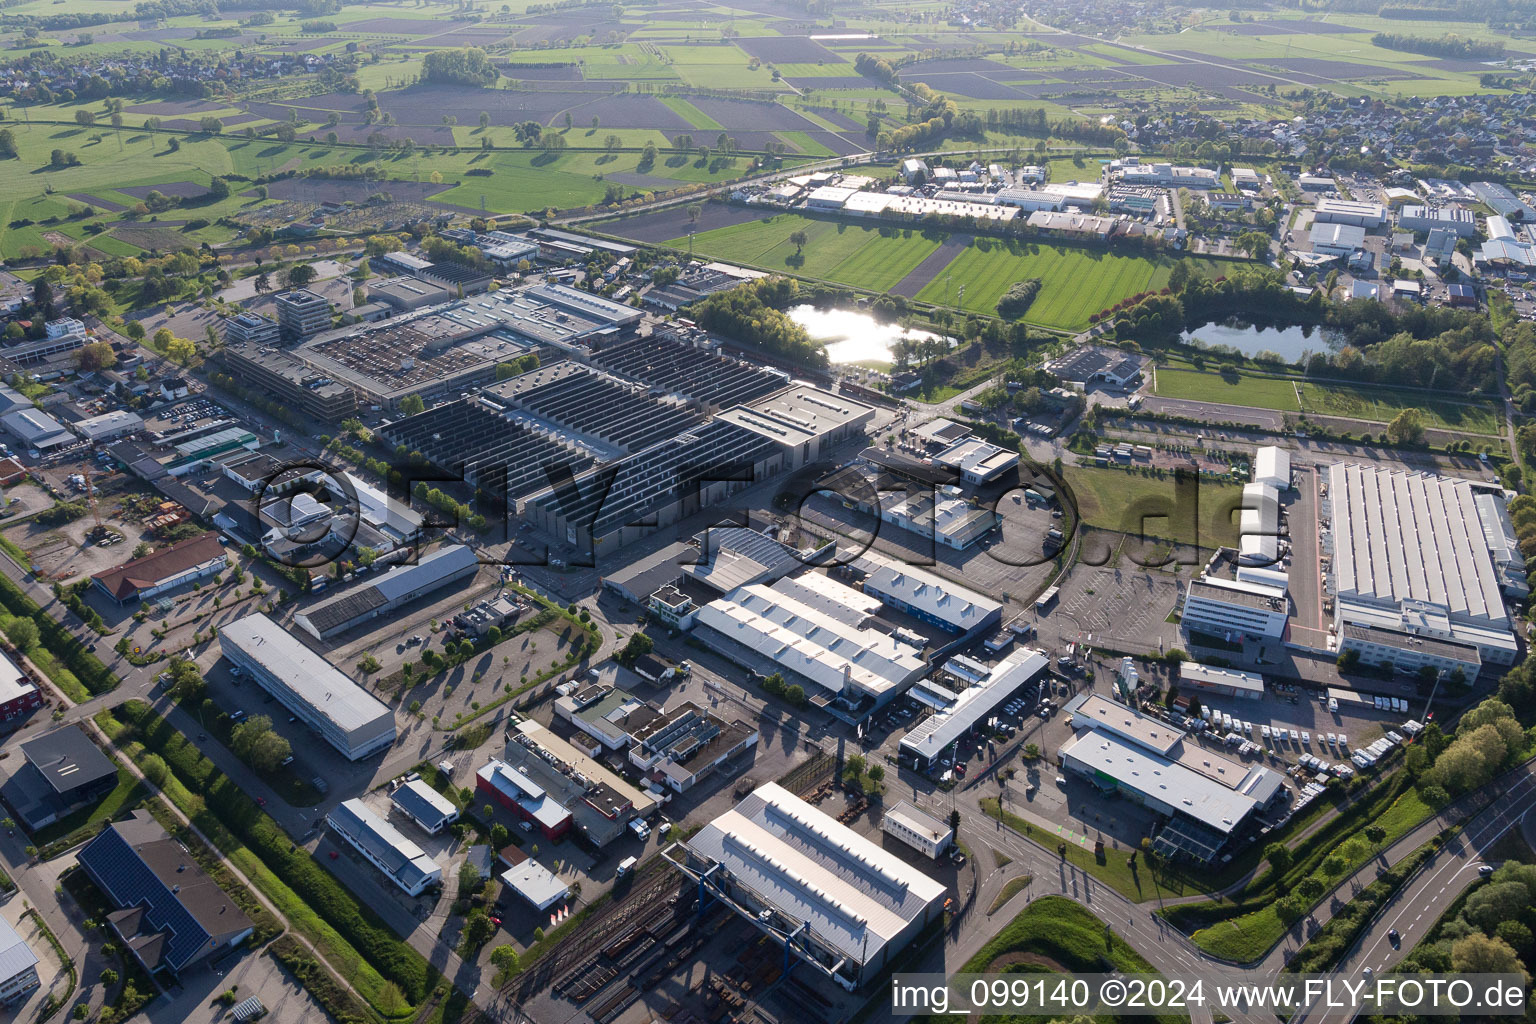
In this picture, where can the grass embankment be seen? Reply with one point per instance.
(77, 672)
(1245, 927)
(1011, 888)
(351, 937)
(78, 826)
(1054, 934)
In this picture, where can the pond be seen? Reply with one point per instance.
(851, 337)
(1289, 342)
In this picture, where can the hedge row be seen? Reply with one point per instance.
(58, 640)
(320, 983)
(316, 887)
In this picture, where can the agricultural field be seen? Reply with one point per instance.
(1376, 404)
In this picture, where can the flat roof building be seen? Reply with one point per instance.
(1410, 554)
(978, 461)
(405, 294)
(109, 425)
(806, 419)
(385, 847)
(838, 901)
(1224, 682)
(301, 313)
(1459, 221)
(926, 744)
(345, 715)
(686, 743)
(1348, 211)
(1337, 239)
(926, 596)
(168, 912)
(288, 379)
(424, 805)
(917, 828)
(523, 798)
(1233, 610)
(18, 965)
(1206, 798)
(251, 328)
(536, 884)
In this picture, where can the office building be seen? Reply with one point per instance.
(686, 744)
(282, 376)
(833, 898)
(1202, 680)
(168, 912)
(345, 715)
(385, 847)
(59, 771)
(301, 313)
(917, 828)
(1233, 610)
(977, 461)
(253, 329)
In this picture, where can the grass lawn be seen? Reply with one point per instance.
(690, 113)
(1010, 889)
(1120, 500)
(1228, 389)
(81, 824)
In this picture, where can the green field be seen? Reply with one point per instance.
(851, 254)
(1378, 405)
(1127, 502)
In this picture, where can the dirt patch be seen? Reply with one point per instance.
(1007, 960)
(148, 236)
(57, 238)
(672, 222)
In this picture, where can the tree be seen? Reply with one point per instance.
(478, 930)
(467, 66)
(485, 120)
(1481, 954)
(412, 405)
(1279, 857)
(254, 742)
(1311, 888)
(301, 274)
(504, 958)
(23, 633)
(1407, 427)
(798, 240)
(186, 685)
(135, 330)
(98, 355)
(218, 189)
(1375, 834)
(180, 350)
(85, 118)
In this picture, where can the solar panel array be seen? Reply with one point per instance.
(128, 882)
(469, 439)
(601, 406)
(714, 380)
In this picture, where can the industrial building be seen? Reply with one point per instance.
(166, 569)
(18, 966)
(424, 805)
(1457, 220)
(1409, 652)
(35, 429)
(1348, 211)
(1259, 534)
(1502, 201)
(836, 900)
(820, 636)
(673, 361)
(917, 828)
(686, 743)
(168, 912)
(384, 846)
(1411, 555)
(1090, 364)
(536, 884)
(345, 715)
(607, 715)
(1272, 467)
(457, 278)
(516, 793)
(934, 737)
(60, 771)
(302, 313)
(1131, 171)
(927, 597)
(405, 295)
(364, 602)
(1337, 239)
(978, 461)
(805, 420)
(1222, 682)
(288, 379)
(109, 426)
(599, 802)
(1207, 800)
(945, 518)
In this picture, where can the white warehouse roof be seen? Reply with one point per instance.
(961, 609)
(809, 867)
(938, 731)
(1272, 465)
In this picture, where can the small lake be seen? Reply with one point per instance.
(851, 337)
(1290, 343)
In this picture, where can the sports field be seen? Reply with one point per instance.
(1379, 405)
(1074, 283)
(851, 254)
